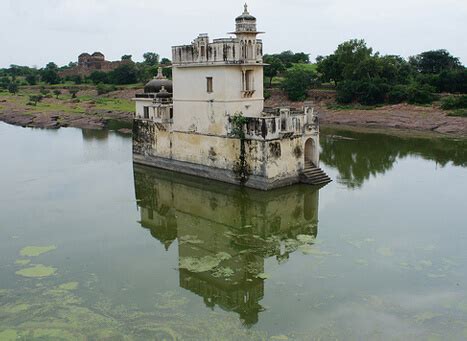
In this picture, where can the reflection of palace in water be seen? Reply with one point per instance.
(208, 219)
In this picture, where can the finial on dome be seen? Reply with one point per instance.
(246, 9)
(159, 73)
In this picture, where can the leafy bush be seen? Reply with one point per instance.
(31, 79)
(44, 91)
(420, 94)
(105, 88)
(73, 91)
(13, 88)
(454, 102)
(57, 93)
(298, 79)
(267, 94)
(99, 77)
(458, 112)
(397, 94)
(371, 92)
(34, 99)
(345, 92)
(124, 74)
(367, 92)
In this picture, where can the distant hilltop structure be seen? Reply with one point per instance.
(88, 63)
(210, 120)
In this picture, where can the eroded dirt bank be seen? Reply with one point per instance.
(108, 111)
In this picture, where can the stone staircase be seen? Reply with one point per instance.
(314, 175)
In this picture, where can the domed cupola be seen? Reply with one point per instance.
(163, 95)
(157, 83)
(245, 22)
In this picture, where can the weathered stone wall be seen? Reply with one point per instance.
(270, 163)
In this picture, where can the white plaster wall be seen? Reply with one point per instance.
(197, 110)
(140, 103)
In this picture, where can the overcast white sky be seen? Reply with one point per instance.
(34, 32)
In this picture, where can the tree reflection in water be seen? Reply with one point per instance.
(357, 156)
(206, 219)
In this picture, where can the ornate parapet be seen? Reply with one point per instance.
(277, 123)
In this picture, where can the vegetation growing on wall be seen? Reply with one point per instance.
(241, 168)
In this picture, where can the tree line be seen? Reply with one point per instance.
(361, 76)
(127, 73)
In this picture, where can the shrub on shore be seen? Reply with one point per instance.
(454, 102)
(105, 88)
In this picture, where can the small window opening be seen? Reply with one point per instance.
(209, 84)
(249, 80)
(146, 112)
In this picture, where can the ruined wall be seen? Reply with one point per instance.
(97, 65)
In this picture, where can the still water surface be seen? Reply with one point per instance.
(92, 247)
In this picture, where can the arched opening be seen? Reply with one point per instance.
(310, 153)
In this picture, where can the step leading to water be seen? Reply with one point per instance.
(314, 175)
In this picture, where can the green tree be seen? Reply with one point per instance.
(151, 58)
(34, 99)
(124, 74)
(298, 80)
(73, 91)
(31, 79)
(274, 67)
(167, 72)
(4, 82)
(13, 87)
(126, 57)
(435, 62)
(57, 93)
(288, 58)
(166, 61)
(329, 69)
(50, 74)
(99, 77)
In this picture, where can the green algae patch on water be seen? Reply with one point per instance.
(223, 272)
(14, 309)
(203, 264)
(68, 286)
(53, 334)
(385, 251)
(262, 276)
(34, 251)
(188, 239)
(37, 271)
(9, 335)
(22, 261)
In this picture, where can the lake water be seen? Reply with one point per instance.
(93, 248)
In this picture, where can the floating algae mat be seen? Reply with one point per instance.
(37, 271)
(22, 261)
(34, 251)
(203, 264)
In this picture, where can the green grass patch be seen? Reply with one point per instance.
(115, 104)
(56, 107)
(458, 113)
(335, 106)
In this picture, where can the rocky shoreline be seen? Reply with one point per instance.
(397, 117)
(401, 117)
(63, 120)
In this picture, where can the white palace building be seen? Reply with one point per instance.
(210, 120)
